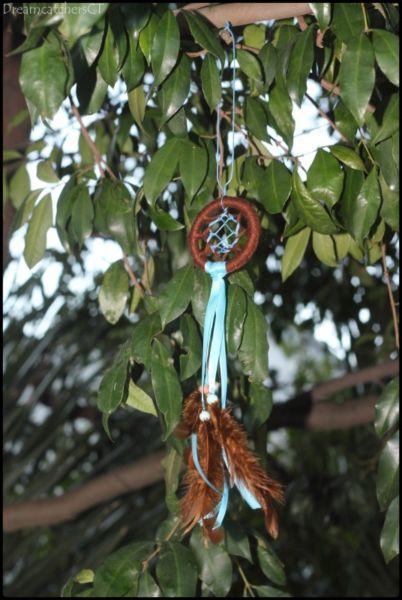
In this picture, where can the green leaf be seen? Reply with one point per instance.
(352, 186)
(80, 18)
(254, 36)
(280, 107)
(175, 89)
(204, 36)
(214, 564)
(114, 213)
(163, 220)
(147, 36)
(45, 172)
(139, 400)
(44, 76)
(243, 279)
(274, 187)
(113, 386)
(390, 205)
(268, 60)
(390, 121)
(386, 49)
(267, 591)
(390, 532)
(82, 215)
(134, 66)
(136, 16)
(387, 408)
(113, 293)
(309, 209)
(294, 251)
(258, 407)
(235, 316)
(324, 248)
(193, 166)
(191, 361)
(177, 294)
(35, 239)
(388, 472)
(387, 157)
(270, 564)
(166, 386)
(85, 576)
(118, 575)
(172, 464)
(325, 178)
(91, 91)
(177, 571)
(249, 64)
(345, 121)
(236, 541)
(25, 210)
(108, 62)
(347, 21)
(357, 76)
(147, 586)
(19, 186)
(365, 207)
(165, 47)
(160, 170)
(322, 12)
(253, 351)
(144, 332)
(137, 103)
(300, 62)
(211, 82)
(256, 118)
(201, 291)
(347, 156)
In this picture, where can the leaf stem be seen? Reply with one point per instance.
(145, 563)
(247, 584)
(390, 294)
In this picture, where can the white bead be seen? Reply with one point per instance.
(212, 398)
(204, 415)
(213, 387)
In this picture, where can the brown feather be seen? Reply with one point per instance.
(189, 419)
(245, 466)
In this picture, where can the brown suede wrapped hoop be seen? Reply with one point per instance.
(248, 235)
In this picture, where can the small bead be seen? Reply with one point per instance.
(212, 398)
(204, 415)
(214, 387)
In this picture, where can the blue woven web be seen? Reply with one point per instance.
(223, 233)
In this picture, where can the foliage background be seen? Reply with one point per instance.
(121, 348)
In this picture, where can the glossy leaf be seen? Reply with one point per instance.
(138, 399)
(274, 187)
(270, 564)
(35, 239)
(190, 362)
(253, 350)
(214, 564)
(294, 251)
(249, 64)
(134, 66)
(118, 575)
(259, 406)
(256, 118)
(177, 571)
(147, 36)
(387, 408)
(254, 36)
(44, 76)
(324, 249)
(201, 291)
(268, 60)
(91, 91)
(19, 186)
(300, 62)
(322, 12)
(113, 386)
(108, 61)
(144, 332)
(347, 156)
(311, 210)
(388, 472)
(235, 316)
(237, 541)
(390, 532)
(193, 165)
(211, 83)
(345, 121)
(365, 207)
(45, 172)
(357, 76)
(204, 36)
(80, 19)
(280, 107)
(175, 89)
(177, 294)
(114, 292)
(347, 21)
(325, 179)
(166, 386)
(161, 169)
(243, 280)
(137, 103)
(386, 49)
(390, 205)
(165, 47)
(390, 121)
(163, 220)
(147, 586)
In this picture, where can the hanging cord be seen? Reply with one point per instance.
(223, 188)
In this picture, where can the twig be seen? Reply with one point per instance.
(302, 22)
(247, 584)
(131, 274)
(94, 149)
(390, 294)
(145, 563)
(326, 117)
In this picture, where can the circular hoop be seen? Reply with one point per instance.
(250, 229)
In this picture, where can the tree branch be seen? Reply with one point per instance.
(390, 294)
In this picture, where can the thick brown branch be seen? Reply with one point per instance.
(242, 13)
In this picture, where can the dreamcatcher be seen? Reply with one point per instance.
(223, 238)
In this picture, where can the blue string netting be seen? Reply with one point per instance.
(223, 233)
